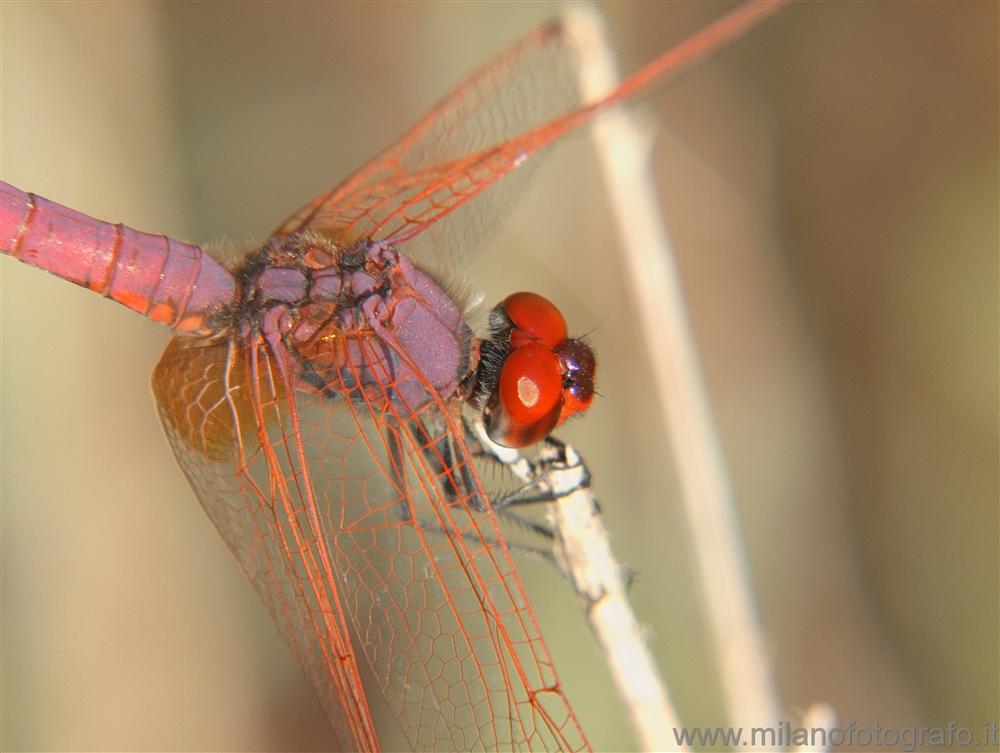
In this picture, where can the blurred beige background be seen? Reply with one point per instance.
(831, 185)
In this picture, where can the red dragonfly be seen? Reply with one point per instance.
(315, 401)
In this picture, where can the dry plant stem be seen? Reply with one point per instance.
(726, 590)
(583, 552)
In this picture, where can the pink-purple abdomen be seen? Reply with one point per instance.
(173, 283)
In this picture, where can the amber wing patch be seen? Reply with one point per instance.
(210, 393)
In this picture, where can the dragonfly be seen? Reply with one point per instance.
(317, 393)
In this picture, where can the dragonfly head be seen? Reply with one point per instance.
(531, 377)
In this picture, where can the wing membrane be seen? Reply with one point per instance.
(521, 101)
(223, 411)
(334, 501)
(394, 196)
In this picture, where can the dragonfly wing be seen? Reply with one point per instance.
(211, 404)
(443, 160)
(349, 516)
(488, 128)
(454, 643)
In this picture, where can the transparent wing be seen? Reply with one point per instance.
(488, 128)
(443, 160)
(211, 400)
(355, 514)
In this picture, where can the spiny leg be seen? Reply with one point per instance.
(440, 456)
(557, 471)
(397, 464)
(457, 485)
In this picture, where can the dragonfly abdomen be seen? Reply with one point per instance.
(172, 283)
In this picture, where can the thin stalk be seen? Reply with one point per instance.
(682, 400)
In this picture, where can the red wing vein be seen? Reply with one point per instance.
(335, 627)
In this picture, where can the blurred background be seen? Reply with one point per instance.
(830, 183)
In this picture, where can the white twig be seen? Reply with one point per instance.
(583, 552)
(707, 497)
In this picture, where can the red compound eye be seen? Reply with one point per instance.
(526, 405)
(534, 318)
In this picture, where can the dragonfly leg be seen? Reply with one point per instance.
(556, 472)
(456, 480)
(397, 464)
(458, 486)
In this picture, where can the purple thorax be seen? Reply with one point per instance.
(362, 321)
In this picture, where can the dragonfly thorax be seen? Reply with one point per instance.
(361, 321)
